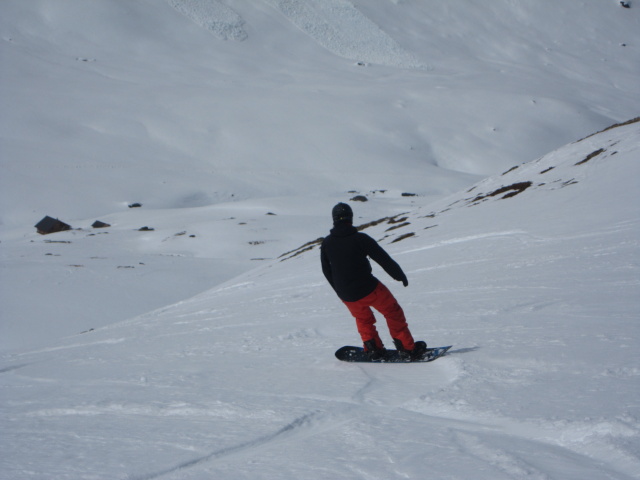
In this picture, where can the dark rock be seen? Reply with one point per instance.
(51, 225)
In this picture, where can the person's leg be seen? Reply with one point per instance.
(387, 305)
(365, 321)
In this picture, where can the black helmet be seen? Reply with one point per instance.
(342, 212)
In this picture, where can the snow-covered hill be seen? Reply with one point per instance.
(238, 125)
(214, 113)
(532, 276)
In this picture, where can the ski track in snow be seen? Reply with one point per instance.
(481, 439)
(250, 445)
(470, 238)
(481, 433)
(498, 441)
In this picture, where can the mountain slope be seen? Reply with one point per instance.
(216, 114)
(538, 293)
(214, 101)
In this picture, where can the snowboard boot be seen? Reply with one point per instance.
(419, 349)
(375, 354)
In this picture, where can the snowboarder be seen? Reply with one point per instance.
(347, 269)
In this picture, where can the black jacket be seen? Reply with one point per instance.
(346, 266)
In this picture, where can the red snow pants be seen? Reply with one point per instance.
(383, 301)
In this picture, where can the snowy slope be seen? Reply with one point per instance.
(538, 292)
(238, 125)
(140, 102)
(213, 114)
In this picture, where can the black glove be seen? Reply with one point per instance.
(404, 281)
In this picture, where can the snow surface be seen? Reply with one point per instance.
(237, 125)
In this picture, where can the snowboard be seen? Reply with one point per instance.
(357, 354)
